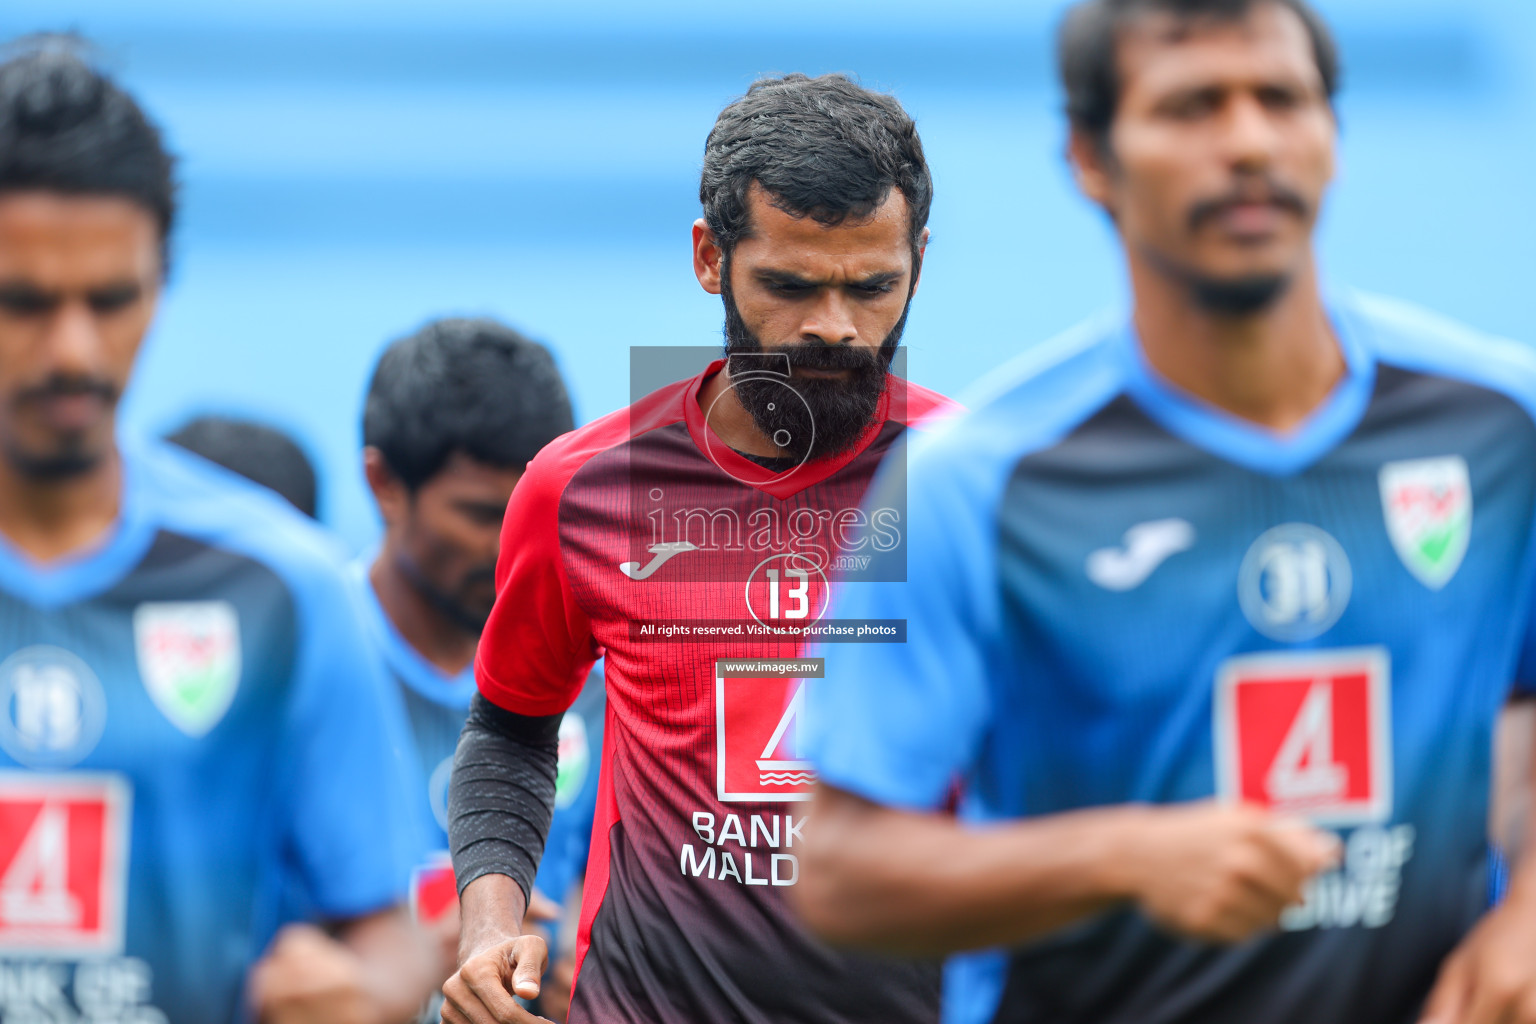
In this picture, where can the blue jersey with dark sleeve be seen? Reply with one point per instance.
(195, 737)
(436, 705)
(1116, 593)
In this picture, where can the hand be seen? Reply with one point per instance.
(307, 977)
(1221, 873)
(481, 991)
(1491, 977)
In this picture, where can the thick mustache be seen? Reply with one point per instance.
(1270, 193)
(68, 387)
(819, 356)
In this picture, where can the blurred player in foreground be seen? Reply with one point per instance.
(1258, 542)
(257, 452)
(192, 729)
(724, 498)
(454, 414)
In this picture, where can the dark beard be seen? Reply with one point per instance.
(832, 414)
(449, 606)
(1237, 297)
(72, 457)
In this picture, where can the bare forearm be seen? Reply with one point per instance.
(923, 884)
(491, 909)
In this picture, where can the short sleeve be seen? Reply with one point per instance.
(897, 723)
(537, 646)
(352, 811)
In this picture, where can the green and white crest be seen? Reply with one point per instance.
(189, 659)
(1428, 506)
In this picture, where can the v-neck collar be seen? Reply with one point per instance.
(1245, 443)
(408, 663)
(779, 485)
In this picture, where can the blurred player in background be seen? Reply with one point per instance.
(191, 724)
(453, 415)
(816, 197)
(1258, 542)
(255, 451)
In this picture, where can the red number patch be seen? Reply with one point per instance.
(63, 862)
(433, 890)
(1307, 733)
(757, 732)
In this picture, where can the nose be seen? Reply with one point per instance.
(830, 320)
(73, 341)
(1249, 135)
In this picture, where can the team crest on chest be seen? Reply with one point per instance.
(1428, 507)
(189, 659)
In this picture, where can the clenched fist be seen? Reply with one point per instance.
(1221, 873)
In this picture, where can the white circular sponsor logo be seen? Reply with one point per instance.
(437, 791)
(1294, 582)
(52, 707)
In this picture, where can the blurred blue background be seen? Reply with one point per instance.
(354, 168)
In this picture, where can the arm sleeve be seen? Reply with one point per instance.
(352, 818)
(898, 723)
(537, 646)
(502, 794)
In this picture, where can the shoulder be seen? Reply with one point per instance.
(1412, 338)
(1026, 405)
(195, 498)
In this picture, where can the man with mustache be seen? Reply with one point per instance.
(195, 741)
(689, 537)
(1258, 541)
(454, 413)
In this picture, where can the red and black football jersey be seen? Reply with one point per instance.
(642, 536)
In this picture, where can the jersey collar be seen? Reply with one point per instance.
(90, 571)
(404, 660)
(1240, 441)
(779, 485)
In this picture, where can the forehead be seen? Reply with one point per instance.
(56, 240)
(879, 241)
(1161, 53)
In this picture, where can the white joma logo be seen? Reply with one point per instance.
(663, 553)
(1147, 546)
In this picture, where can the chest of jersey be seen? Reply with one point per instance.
(1181, 626)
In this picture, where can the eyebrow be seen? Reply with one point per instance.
(790, 279)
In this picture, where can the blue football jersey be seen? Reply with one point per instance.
(1117, 593)
(436, 705)
(195, 737)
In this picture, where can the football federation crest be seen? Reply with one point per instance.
(757, 732)
(189, 659)
(1307, 733)
(1428, 505)
(63, 863)
(575, 757)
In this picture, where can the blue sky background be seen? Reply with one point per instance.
(353, 169)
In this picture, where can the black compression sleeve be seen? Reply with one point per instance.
(502, 793)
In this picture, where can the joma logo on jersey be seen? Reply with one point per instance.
(757, 732)
(63, 863)
(1307, 733)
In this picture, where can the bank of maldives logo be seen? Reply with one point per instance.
(52, 707)
(189, 659)
(63, 863)
(1307, 733)
(1294, 582)
(757, 740)
(1428, 506)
